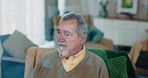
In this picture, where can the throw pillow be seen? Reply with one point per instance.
(94, 34)
(1, 50)
(17, 44)
(117, 67)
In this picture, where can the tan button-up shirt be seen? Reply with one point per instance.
(72, 61)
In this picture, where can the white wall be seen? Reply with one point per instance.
(83, 7)
(92, 7)
(0, 19)
(73, 5)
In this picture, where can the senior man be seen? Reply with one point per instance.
(70, 59)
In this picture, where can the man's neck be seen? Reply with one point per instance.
(73, 53)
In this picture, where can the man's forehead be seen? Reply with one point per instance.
(66, 29)
(68, 24)
(69, 21)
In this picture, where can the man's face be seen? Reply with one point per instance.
(68, 41)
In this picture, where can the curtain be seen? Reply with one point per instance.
(27, 16)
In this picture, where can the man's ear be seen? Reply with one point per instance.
(83, 38)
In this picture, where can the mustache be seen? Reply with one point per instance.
(61, 44)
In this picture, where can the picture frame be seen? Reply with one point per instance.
(127, 6)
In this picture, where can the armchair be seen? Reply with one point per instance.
(118, 63)
(11, 67)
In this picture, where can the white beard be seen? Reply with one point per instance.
(63, 52)
(60, 47)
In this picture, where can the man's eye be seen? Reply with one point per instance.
(67, 34)
(58, 32)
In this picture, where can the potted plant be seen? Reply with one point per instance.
(103, 8)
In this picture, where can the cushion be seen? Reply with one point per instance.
(94, 34)
(1, 50)
(17, 44)
(117, 67)
(4, 37)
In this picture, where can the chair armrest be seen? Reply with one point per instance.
(94, 45)
(108, 43)
(12, 59)
(12, 67)
(29, 62)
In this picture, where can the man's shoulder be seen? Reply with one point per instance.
(50, 54)
(49, 58)
(95, 61)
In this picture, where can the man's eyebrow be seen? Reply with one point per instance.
(58, 29)
(67, 31)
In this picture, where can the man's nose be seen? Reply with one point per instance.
(61, 37)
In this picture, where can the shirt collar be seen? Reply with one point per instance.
(80, 54)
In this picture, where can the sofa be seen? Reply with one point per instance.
(11, 67)
(117, 62)
(13, 47)
(104, 43)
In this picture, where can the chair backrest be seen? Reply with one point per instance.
(118, 63)
(32, 57)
